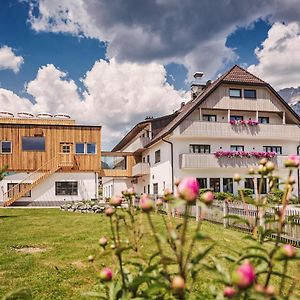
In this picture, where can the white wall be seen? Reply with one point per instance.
(45, 191)
(114, 186)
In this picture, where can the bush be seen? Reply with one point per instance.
(224, 196)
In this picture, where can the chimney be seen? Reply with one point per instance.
(197, 86)
(182, 104)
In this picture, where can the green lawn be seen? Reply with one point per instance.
(62, 270)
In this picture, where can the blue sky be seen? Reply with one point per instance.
(76, 55)
(112, 63)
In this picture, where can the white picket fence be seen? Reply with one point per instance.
(219, 209)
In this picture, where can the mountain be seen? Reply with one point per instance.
(292, 97)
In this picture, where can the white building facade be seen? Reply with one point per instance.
(228, 127)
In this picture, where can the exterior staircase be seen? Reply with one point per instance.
(34, 179)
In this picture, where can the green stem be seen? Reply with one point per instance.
(182, 241)
(158, 246)
(285, 264)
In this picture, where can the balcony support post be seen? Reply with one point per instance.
(200, 114)
(228, 116)
(283, 117)
(256, 116)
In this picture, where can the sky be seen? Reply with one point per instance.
(112, 63)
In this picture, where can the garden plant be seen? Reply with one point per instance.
(258, 271)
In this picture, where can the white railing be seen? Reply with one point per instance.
(203, 161)
(141, 169)
(225, 130)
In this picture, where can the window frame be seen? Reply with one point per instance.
(157, 157)
(229, 183)
(155, 188)
(273, 149)
(75, 146)
(10, 185)
(262, 117)
(264, 189)
(209, 118)
(235, 89)
(249, 183)
(236, 146)
(192, 148)
(250, 90)
(86, 148)
(2, 147)
(33, 137)
(213, 187)
(236, 118)
(66, 182)
(202, 180)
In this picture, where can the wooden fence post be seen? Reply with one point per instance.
(225, 213)
(197, 213)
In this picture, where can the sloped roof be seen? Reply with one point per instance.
(240, 75)
(235, 75)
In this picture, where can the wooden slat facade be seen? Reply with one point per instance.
(67, 132)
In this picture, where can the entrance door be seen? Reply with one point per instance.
(66, 157)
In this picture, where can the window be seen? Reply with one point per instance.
(148, 159)
(277, 149)
(227, 185)
(65, 147)
(215, 184)
(155, 188)
(113, 162)
(6, 147)
(18, 189)
(235, 93)
(91, 148)
(202, 183)
(264, 185)
(263, 120)
(199, 148)
(157, 156)
(144, 160)
(69, 188)
(236, 118)
(250, 94)
(237, 148)
(209, 118)
(148, 188)
(79, 148)
(85, 148)
(33, 143)
(249, 183)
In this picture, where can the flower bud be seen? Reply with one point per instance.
(207, 197)
(263, 161)
(251, 171)
(178, 284)
(109, 211)
(291, 181)
(237, 177)
(168, 194)
(292, 161)
(146, 203)
(159, 202)
(270, 166)
(91, 258)
(262, 170)
(229, 292)
(113, 246)
(115, 201)
(288, 251)
(270, 290)
(188, 189)
(176, 182)
(103, 242)
(105, 274)
(244, 275)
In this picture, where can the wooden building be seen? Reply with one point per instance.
(49, 159)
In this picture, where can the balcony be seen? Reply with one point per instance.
(190, 128)
(208, 161)
(138, 145)
(141, 169)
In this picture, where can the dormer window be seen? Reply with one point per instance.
(235, 93)
(250, 94)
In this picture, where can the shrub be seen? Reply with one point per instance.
(224, 196)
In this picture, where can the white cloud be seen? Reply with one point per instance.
(8, 59)
(279, 62)
(144, 31)
(116, 96)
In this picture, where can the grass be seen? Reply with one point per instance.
(62, 270)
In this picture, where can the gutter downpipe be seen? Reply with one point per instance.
(172, 161)
(298, 175)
